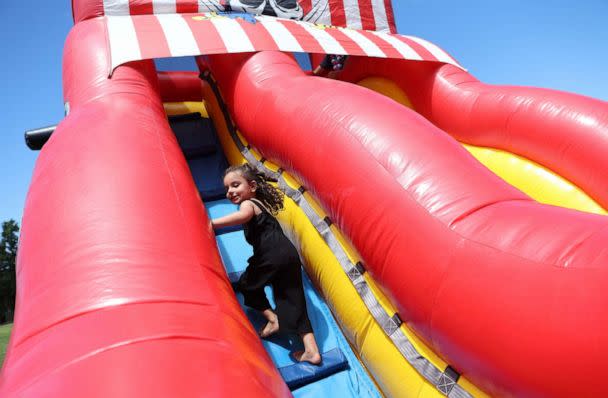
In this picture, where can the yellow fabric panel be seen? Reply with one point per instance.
(386, 87)
(184, 107)
(233, 155)
(387, 366)
(535, 180)
(243, 139)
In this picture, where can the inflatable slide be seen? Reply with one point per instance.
(452, 233)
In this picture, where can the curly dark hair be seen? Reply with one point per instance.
(268, 194)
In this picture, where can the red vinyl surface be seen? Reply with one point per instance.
(121, 291)
(180, 86)
(510, 292)
(564, 132)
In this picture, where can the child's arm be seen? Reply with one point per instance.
(244, 214)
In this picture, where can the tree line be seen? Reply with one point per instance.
(8, 256)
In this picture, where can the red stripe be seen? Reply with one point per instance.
(390, 17)
(351, 47)
(141, 7)
(207, 37)
(186, 6)
(306, 5)
(385, 46)
(258, 35)
(423, 52)
(152, 40)
(367, 15)
(336, 10)
(306, 40)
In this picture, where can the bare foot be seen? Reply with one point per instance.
(310, 357)
(272, 326)
(269, 329)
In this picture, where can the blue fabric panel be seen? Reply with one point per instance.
(233, 248)
(227, 230)
(303, 373)
(207, 173)
(195, 134)
(197, 139)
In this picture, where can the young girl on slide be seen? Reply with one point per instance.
(275, 260)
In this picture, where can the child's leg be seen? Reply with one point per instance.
(290, 301)
(291, 309)
(251, 284)
(256, 299)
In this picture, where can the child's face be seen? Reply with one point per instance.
(238, 188)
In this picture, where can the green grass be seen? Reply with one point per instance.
(5, 332)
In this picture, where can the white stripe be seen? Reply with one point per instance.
(209, 6)
(178, 34)
(319, 13)
(405, 50)
(433, 49)
(325, 40)
(116, 7)
(352, 14)
(164, 6)
(234, 37)
(124, 46)
(380, 16)
(281, 35)
(366, 44)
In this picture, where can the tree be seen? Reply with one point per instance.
(8, 256)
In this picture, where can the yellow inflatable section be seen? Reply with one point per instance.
(535, 180)
(538, 182)
(183, 107)
(393, 374)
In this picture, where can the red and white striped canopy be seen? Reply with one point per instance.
(355, 14)
(138, 37)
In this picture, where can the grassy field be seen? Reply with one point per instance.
(5, 332)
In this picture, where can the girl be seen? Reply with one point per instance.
(275, 260)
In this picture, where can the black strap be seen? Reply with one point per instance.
(260, 204)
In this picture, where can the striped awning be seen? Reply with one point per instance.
(138, 37)
(355, 14)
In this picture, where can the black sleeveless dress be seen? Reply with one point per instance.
(275, 262)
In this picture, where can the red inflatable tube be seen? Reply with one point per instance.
(180, 86)
(86, 9)
(564, 132)
(512, 293)
(121, 291)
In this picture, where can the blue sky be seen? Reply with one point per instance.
(555, 44)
